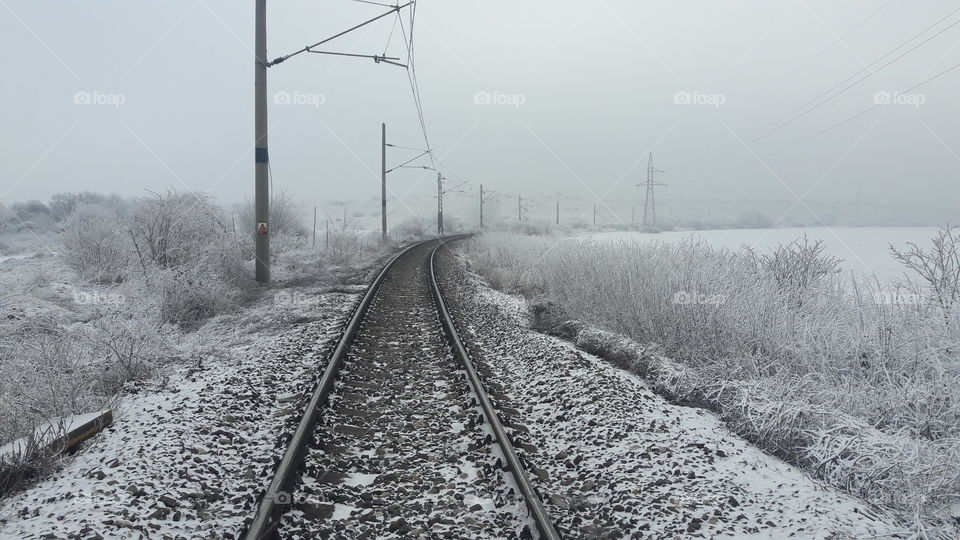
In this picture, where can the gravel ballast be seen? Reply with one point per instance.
(401, 450)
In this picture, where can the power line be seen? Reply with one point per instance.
(840, 123)
(787, 120)
(855, 83)
(414, 84)
(839, 39)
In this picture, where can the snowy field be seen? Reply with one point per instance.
(864, 251)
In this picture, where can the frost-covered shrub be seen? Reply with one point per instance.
(411, 229)
(798, 268)
(128, 348)
(174, 228)
(343, 242)
(938, 267)
(822, 346)
(190, 295)
(45, 372)
(95, 244)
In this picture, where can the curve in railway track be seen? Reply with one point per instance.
(400, 437)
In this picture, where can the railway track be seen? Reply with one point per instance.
(400, 438)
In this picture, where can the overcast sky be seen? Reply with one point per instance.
(581, 92)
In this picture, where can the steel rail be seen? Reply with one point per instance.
(279, 494)
(530, 496)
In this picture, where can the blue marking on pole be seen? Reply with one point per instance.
(262, 156)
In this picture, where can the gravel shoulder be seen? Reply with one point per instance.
(613, 459)
(188, 454)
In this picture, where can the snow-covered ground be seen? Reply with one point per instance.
(612, 458)
(187, 454)
(863, 250)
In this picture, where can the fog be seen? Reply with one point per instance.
(125, 96)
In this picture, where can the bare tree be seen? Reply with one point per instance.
(93, 245)
(175, 227)
(939, 267)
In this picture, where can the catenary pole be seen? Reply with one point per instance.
(383, 182)
(262, 166)
(481, 207)
(439, 203)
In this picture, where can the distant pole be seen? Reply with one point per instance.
(594, 213)
(481, 207)
(439, 203)
(649, 203)
(383, 182)
(262, 167)
(314, 225)
(519, 208)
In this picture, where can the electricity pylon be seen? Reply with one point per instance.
(650, 203)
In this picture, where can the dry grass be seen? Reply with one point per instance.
(857, 384)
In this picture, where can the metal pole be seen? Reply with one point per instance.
(649, 204)
(594, 213)
(439, 204)
(481, 207)
(314, 225)
(383, 183)
(262, 182)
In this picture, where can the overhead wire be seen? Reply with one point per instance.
(840, 123)
(855, 83)
(792, 117)
(838, 40)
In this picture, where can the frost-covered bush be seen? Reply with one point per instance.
(799, 268)
(95, 244)
(175, 228)
(45, 372)
(128, 348)
(938, 267)
(190, 295)
(344, 242)
(834, 358)
(411, 229)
